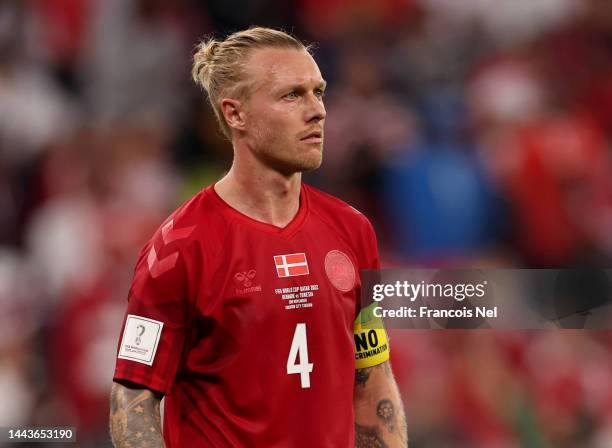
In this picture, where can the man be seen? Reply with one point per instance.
(243, 304)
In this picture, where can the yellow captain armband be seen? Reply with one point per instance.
(371, 341)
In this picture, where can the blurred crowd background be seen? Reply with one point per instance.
(471, 132)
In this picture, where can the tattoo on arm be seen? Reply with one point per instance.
(362, 376)
(386, 413)
(134, 418)
(379, 414)
(368, 437)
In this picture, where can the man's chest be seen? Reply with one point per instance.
(267, 279)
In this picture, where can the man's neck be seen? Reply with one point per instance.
(261, 193)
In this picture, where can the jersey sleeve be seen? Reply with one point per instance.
(371, 341)
(367, 253)
(154, 329)
(370, 243)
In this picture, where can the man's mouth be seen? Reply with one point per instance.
(313, 137)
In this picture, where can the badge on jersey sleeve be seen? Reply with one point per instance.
(140, 339)
(371, 342)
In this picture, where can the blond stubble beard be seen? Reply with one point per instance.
(267, 147)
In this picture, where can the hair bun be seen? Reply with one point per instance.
(202, 60)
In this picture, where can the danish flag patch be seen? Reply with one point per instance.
(291, 265)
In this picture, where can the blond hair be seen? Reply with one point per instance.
(218, 64)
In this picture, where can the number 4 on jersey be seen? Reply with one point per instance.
(299, 347)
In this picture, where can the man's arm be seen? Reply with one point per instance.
(380, 421)
(134, 418)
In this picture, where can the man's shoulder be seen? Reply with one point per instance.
(193, 217)
(328, 205)
(191, 210)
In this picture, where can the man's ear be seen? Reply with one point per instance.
(233, 113)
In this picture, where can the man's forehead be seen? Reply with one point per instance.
(281, 65)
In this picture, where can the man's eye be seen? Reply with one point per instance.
(319, 93)
(291, 95)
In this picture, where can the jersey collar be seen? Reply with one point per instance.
(290, 229)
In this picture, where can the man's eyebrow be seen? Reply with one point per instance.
(320, 84)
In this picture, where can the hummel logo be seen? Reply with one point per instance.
(245, 279)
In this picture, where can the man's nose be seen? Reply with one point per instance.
(316, 109)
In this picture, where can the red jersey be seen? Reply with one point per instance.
(247, 328)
